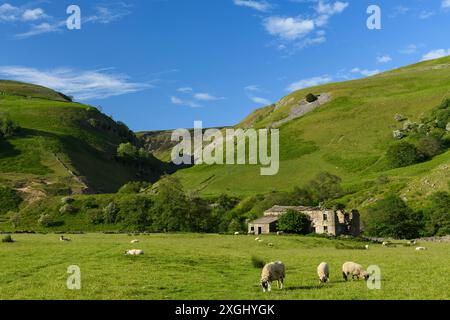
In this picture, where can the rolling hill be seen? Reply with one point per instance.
(62, 147)
(347, 136)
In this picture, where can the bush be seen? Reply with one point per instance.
(7, 127)
(7, 239)
(294, 222)
(67, 209)
(45, 220)
(438, 214)
(311, 97)
(429, 147)
(96, 216)
(258, 262)
(403, 154)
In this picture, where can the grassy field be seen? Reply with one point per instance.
(187, 266)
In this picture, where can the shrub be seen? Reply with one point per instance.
(402, 154)
(311, 97)
(258, 262)
(67, 209)
(429, 147)
(96, 216)
(7, 239)
(7, 127)
(438, 214)
(294, 222)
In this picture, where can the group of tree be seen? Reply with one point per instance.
(392, 217)
(8, 127)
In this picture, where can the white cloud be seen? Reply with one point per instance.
(9, 13)
(41, 28)
(365, 72)
(310, 82)
(326, 10)
(185, 90)
(260, 100)
(410, 49)
(33, 14)
(262, 6)
(206, 97)
(384, 59)
(445, 4)
(83, 85)
(288, 28)
(426, 14)
(181, 102)
(435, 54)
(253, 87)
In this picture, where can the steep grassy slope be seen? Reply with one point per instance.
(62, 146)
(347, 136)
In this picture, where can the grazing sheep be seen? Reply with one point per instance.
(257, 239)
(411, 243)
(270, 244)
(274, 271)
(62, 238)
(324, 272)
(367, 247)
(134, 252)
(421, 249)
(386, 243)
(236, 233)
(260, 240)
(134, 241)
(279, 233)
(354, 269)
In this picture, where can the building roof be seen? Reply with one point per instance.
(265, 220)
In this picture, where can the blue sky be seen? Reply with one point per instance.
(161, 64)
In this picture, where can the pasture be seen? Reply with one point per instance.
(192, 266)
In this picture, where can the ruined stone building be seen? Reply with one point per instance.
(323, 221)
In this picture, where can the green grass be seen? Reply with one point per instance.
(187, 266)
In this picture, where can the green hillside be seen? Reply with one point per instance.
(347, 136)
(62, 147)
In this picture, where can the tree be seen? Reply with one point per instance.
(391, 217)
(7, 127)
(311, 97)
(110, 213)
(429, 147)
(127, 151)
(171, 206)
(438, 214)
(402, 154)
(325, 187)
(294, 222)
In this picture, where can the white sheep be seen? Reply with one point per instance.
(279, 233)
(134, 252)
(62, 238)
(367, 247)
(257, 239)
(134, 241)
(354, 269)
(323, 271)
(270, 244)
(274, 271)
(421, 249)
(260, 240)
(236, 233)
(386, 243)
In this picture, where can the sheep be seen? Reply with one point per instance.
(134, 241)
(257, 239)
(323, 271)
(260, 240)
(411, 243)
(355, 270)
(421, 249)
(274, 271)
(236, 233)
(386, 243)
(270, 244)
(62, 238)
(279, 233)
(367, 247)
(134, 252)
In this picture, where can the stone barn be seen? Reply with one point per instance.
(323, 221)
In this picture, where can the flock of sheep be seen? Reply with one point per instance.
(276, 271)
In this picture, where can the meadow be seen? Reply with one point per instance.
(207, 266)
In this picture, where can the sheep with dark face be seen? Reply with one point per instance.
(323, 271)
(64, 239)
(274, 271)
(354, 269)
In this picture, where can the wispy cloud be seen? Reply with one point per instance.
(103, 14)
(435, 54)
(183, 102)
(309, 82)
(185, 90)
(426, 14)
(83, 85)
(365, 72)
(384, 59)
(252, 91)
(445, 4)
(193, 97)
(262, 6)
(410, 49)
(259, 100)
(203, 96)
(288, 28)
